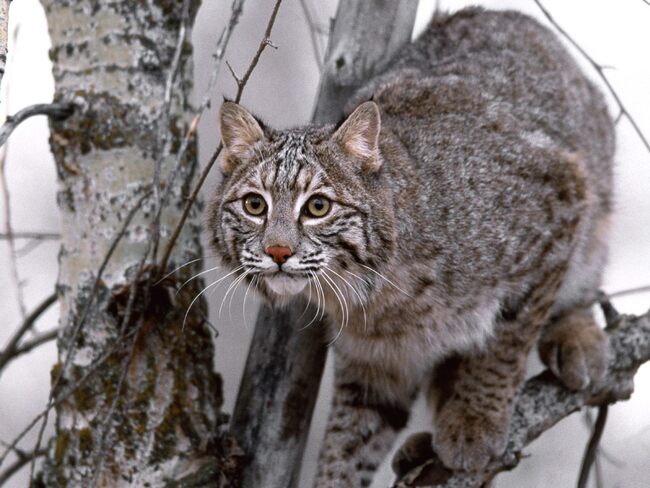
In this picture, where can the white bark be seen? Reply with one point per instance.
(111, 60)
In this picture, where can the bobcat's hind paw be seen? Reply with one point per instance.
(576, 354)
(468, 441)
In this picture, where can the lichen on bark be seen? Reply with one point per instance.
(111, 59)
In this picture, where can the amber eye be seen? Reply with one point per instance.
(254, 204)
(317, 206)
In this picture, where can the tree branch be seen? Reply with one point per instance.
(544, 402)
(23, 459)
(600, 69)
(222, 44)
(43, 236)
(12, 350)
(58, 111)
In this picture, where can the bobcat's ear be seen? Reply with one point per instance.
(239, 133)
(359, 136)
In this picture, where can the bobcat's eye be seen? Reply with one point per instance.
(254, 204)
(317, 206)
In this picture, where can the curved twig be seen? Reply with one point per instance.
(11, 350)
(601, 72)
(241, 84)
(58, 111)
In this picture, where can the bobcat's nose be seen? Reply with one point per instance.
(279, 253)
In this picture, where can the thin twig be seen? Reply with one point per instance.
(43, 236)
(37, 341)
(10, 349)
(592, 447)
(222, 44)
(13, 256)
(101, 455)
(133, 289)
(23, 459)
(65, 394)
(76, 329)
(241, 84)
(163, 128)
(601, 72)
(629, 291)
(58, 111)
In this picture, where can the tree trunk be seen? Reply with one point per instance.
(284, 366)
(149, 410)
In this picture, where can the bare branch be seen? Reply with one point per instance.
(39, 340)
(544, 402)
(163, 131)
(23, 459)
(222, 43)
(76, 329)
(58, 111)
(42, 236)
(629, 291)
(11, 350)
(65, 393)
(601, 72)
(241, 84)
(591, 452)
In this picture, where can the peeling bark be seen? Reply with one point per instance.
(161, 418)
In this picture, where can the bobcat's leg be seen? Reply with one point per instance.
(575, 348)
(473, 417)
(361, 429)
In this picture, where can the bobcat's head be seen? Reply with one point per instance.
(302, 206)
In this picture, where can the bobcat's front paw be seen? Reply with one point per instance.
(416, 450)
(468, 441)
(576, 353)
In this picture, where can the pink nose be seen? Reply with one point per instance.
(278, 253)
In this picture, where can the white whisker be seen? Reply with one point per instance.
(204, 290)
(243, 307)
(363, 308)
(182, 266)
(238, 281)
(312, 277)
(308, 301)
(230, 287)
(386, 279)
(329, 282)
(194, 277)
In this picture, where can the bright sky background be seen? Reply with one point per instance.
(281, 90)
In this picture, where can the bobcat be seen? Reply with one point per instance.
(456, 218)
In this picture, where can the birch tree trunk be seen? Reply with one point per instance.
(149, 409)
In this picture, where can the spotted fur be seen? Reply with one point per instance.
(469, 202)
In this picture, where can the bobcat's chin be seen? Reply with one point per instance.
(285, 285)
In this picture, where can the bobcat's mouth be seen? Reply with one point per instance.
(282, 283)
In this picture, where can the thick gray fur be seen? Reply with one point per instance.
(468, 223)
